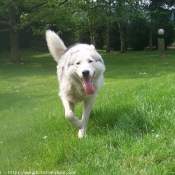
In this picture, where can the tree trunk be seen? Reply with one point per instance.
(13, 35)
(122, 38)
(151, 34)
(108, 48)
(14, 47)
(92, 33)
(120, 24)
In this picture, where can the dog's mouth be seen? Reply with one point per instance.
(87, 85)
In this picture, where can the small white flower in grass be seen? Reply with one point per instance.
(152, 130)
(1, 142)
(157, 135)
(45, 137)
(143, 73)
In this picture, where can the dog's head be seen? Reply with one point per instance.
(85, 65)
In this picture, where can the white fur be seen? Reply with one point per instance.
(72, 62)
(55, 45)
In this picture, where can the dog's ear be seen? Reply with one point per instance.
(97, 57)
(92, 46)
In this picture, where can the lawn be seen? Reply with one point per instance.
(131, 129)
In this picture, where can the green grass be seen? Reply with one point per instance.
(131, 129)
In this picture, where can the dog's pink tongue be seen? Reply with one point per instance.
(88, 86)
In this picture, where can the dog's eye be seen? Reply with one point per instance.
(90, 61)
(77, 63)
(99, 61)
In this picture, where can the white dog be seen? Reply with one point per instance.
(80, 74)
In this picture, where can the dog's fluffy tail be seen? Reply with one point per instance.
(55, 45)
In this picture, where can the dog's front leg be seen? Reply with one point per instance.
(69, 114)
(88, 104)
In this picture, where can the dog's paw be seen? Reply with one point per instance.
(81, 133)
(73, 119)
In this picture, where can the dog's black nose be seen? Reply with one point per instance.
(85, 73)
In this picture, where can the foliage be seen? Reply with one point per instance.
(81, 21)
(159, 15)
(138, 32)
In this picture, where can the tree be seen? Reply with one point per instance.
(120, 24)
(108, 42)
(123, 11)
(157, 9)
(17, 14)
(93, 15)
(10, 26)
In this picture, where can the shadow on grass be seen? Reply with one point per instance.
(122, 119)
(33, 64)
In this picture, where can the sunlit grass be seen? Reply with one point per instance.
(131, 128)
